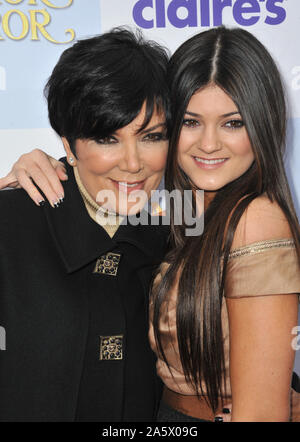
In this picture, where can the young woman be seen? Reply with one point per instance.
(224, 304)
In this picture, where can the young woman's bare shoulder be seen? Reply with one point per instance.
(262, 220)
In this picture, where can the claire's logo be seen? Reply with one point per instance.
(194, 13)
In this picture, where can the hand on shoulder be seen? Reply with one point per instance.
(35, 170)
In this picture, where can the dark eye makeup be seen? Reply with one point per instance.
(149, 137)
(107, 140)
(189, 122)
(234, 124)
(231, 124)
(155, 136)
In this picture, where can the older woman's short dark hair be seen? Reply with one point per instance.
(100, 84)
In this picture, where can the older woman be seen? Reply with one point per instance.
(74, 286)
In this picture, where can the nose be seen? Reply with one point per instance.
(209, 141)
(131, 160)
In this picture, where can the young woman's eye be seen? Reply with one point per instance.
(188, 122)
(107, 140)
(155, 136)
(234, 124)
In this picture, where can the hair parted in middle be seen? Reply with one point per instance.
(235, 61)
(100, 84)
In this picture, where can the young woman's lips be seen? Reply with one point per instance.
(127, 186)
(209, 164)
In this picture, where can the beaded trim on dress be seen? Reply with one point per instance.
(261, 246)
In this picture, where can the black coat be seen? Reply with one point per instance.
(48, 307)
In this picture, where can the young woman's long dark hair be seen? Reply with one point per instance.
(239, 64)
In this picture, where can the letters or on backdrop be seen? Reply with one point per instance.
(33, 33)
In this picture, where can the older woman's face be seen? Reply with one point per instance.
(126, 165)
(214, 148)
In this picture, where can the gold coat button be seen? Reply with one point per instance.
(111, 348)
(108, 264)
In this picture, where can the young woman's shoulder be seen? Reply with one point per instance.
(263, 220)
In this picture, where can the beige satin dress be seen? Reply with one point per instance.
(264, 268)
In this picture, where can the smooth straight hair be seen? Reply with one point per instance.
(240, 65)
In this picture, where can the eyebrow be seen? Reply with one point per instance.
(150, 129)
(229, 114)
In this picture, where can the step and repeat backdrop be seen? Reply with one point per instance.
(33, 33)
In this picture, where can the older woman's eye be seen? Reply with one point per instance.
(234, 124)
(188, 122)
(107, 140)
(155, 136)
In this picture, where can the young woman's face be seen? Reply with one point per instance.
(214, 148)
(126, 163)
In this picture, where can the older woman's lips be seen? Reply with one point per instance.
(209, 164)
(127, 186)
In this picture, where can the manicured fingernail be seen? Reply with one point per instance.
(218, 419)
(61, 199)
(226, 411)
(41, 203)
(56, 204)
